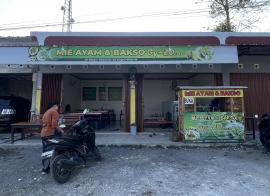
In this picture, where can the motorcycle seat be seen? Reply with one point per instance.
(74, 139)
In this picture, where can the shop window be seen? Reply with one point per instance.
(89, 94)
(115, 93)
(102, 94)
(214, 104)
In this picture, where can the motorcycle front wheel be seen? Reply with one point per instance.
(58, 172)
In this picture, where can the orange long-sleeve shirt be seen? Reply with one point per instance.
(49, 122)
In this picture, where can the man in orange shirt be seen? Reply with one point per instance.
(50, 128)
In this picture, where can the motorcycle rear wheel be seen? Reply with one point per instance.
(58, 172)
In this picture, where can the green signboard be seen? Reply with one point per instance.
(121, 53)
(213, 126)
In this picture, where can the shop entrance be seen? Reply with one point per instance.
(160, 105)
(102, 95)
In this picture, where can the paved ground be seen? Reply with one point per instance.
(121, 139)
(143, 171)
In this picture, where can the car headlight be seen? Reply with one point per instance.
(8, 111)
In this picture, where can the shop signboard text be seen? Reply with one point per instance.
(213, 126)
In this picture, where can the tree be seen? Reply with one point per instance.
(235, 15)
(222, 27)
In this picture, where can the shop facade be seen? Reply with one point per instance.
(135, 74)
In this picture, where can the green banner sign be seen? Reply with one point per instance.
(213, 126)
(131, 53)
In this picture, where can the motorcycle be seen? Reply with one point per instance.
(65, 153)
(264, 128)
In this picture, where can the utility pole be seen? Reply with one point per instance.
(67, 16)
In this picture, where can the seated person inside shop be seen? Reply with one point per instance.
(214, 105)
(210, 104)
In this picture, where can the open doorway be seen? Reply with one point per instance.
(161, 101)
(101, 95)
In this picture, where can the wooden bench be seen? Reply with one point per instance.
(157, 121)
(71, 118)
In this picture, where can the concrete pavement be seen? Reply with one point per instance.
(124, 139)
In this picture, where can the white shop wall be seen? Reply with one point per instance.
(158, 91)
(117, 106)
(155, 92)
(71, 92)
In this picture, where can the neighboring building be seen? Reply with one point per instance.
(92, 70)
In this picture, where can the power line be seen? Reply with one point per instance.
(165, 14)
(84, 15)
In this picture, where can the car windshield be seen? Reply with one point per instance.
(4, 102)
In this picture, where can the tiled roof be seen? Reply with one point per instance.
(18, 41)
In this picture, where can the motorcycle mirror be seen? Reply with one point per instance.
(85, 111)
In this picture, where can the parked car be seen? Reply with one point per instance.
(13, 109)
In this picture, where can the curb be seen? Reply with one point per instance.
(183, 145)
(162, 146)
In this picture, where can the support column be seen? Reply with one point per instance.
(139, 102)
(136, 102)
(34, 87)
(126, 104)
(132, 103)
(36, 93)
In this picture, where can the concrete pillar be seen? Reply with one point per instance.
(36, 93)
(133, 127)
(33, 104)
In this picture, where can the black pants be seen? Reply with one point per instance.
(46, 162)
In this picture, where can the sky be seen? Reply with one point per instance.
(111, 16)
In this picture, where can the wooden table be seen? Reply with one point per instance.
(35, 125)
(100, 116)
(23, 125)
(157, 121)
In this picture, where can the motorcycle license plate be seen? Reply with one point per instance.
(47, 154)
